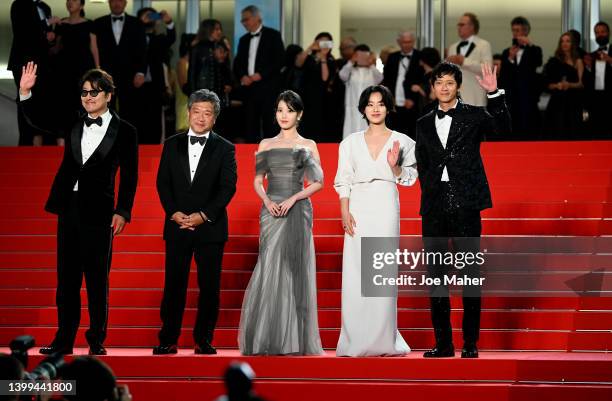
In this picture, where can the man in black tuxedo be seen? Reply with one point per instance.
(160, 37)
(402, 71)
(454, 189)
(257, 66)
(122, 45)
(521, 81)
(32, 36)
(598, 82)
(196, 180)
(83, 197)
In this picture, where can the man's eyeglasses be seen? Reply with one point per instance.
(92, 93)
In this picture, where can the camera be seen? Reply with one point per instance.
(48, 369)
(326, 44)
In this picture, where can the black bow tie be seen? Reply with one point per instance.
(463, 43)
(89, 121)
(200, 139)
(254, 35)
(441, 113)
(408, 56)
(117, 18)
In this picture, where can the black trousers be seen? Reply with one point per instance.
(83, 249)
(442, 226)
(208, 257)
(259, 110)
(599, 109)
(148, 113)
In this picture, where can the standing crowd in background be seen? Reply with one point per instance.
(563, 97)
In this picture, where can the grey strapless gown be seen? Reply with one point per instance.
(279, 310)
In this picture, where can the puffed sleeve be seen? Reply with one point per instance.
(261, 163)
(345, 173)
(408, 162)
(312, 168)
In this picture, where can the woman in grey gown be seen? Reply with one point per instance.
(279, 310)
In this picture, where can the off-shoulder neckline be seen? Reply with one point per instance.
(293, 149)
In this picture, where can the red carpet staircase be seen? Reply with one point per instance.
(543, 189)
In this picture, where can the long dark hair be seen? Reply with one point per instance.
(206, 29)
(573, 50)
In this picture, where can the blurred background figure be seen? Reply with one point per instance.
(160, 36)
(181, 89)
(291, 74)
(402, 70)
(430, 58)
(598, 82)
(239, 383)
(521, 81)
(318, 74)
(357, 75)
(563, 76)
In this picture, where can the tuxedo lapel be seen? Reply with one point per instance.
(432, 132)
(470, 49)
(183, 155)
(455, 124)
(75, 142)
(107, 142)
(207, 153)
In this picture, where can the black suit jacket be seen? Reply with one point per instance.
(269, 60)
(156, 56)
(29, 34)
(127, 58)
(414, 75)
(118, 150)
(521, 81)
(212, 188)
(461, 156)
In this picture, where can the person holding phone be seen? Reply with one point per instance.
(318, 75)
(357, 75)
(521, 81)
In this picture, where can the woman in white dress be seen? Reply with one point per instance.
(370, 165)
(357, 75)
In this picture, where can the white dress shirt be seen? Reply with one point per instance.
(253, 46)
(402, 69)
(195, 151)
(117, 27)
(464, 49)
(600, 73)
(92, 137)
(443, 128)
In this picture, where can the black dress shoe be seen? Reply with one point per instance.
(205, 348)
(469, 351)
(97, 349)
(165, 349)
(55, 349)
(440, 351)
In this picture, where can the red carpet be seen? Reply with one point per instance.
(542, 189)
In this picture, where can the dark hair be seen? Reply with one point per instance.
(205, 95)
(293, 100)
(602, 23)
(362, 48)
(96, 380)
(291, 52)
(430, 56)
(576, 35)
(99, 79)
(221, 45)
(10, 369)
(446, 68)
(573, 50)
(82, 13)
(206, 29)
(387, 98)
(474, 20)
(497, 56)
(522, 21)
(185, 45)
(145, 10)
(324, 35)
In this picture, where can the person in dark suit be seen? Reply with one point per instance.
(454, 189)
(521, 81)
(32, 38)
(257, 66)
(196, 180)
(401, 72)
(83, 197)
(122, 45)
(161, 34)
(598, 82)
